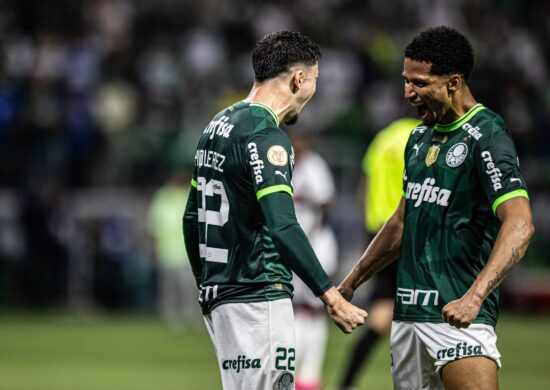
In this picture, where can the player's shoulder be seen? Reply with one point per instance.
(485, 124)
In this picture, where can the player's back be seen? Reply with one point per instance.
(240, 263)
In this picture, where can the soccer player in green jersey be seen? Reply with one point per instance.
(240, 228)
(463, 223)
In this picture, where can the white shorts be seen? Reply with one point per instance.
(420, 350)
(255, 344)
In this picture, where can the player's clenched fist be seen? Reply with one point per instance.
(460, 313)
(345, 315)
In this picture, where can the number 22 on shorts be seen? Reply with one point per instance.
(285, 359)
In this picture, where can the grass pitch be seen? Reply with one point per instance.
(62, 352)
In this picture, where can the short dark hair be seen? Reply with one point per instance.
(445, 48)
(275, 53)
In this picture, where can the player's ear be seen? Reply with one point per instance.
(454, 83)
(297, 80)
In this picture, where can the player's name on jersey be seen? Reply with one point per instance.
(219, 127)
(209, 159)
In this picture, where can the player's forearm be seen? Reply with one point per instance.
(292, 243)
(383, 250)
(510, 247)
(296, 252)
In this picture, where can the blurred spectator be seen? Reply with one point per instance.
(313, 191)
(382, 187)
(44, 269)
(177, 287)
(107, 93)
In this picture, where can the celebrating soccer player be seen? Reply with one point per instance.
(240, 227)
(463, 223)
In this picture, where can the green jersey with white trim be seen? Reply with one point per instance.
(242, 156)
(455, 177)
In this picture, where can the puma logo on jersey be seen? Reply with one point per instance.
(417, 147)
(515, 179)
(428, 192)
(281, 174)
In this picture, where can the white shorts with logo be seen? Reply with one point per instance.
(419, 351)
(255, 344)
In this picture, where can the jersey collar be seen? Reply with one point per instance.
(460, 121)
(268, 110)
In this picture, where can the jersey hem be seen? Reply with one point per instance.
(434, 320)
(281, 295)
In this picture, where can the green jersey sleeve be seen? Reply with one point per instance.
(497, 165)
(190, 226)
(270, 160)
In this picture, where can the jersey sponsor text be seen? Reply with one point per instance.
(256, 163)
(409, 296)
(220, 127)
(473, 131)
(461, 350)
(493, 172)
(428, 192)
(242, 362)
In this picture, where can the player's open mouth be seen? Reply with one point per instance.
(422, 110)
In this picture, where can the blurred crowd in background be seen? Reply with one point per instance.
(103, 101)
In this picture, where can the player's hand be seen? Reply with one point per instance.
(347, 292)
(460, 313)
(345, 315)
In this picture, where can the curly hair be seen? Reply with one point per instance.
(275, 53)
(445, 48)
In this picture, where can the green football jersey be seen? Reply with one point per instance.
(455, 177)
(242, 156)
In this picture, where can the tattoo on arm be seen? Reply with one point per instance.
(514, 259)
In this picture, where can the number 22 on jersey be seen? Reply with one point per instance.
(211, 189)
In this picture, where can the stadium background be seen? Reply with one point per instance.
(100, 101)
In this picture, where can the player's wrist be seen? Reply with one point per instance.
(331, 296)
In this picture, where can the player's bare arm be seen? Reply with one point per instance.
(383, 249)
(510, 247)
(345, 315)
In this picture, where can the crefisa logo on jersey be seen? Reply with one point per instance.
(493, 172)
(457, 154)
(255, 162)
(473, 131)
(428, 192)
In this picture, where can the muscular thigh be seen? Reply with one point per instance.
(471, 373)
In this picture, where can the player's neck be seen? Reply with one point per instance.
(462, 102)
(270, 94)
